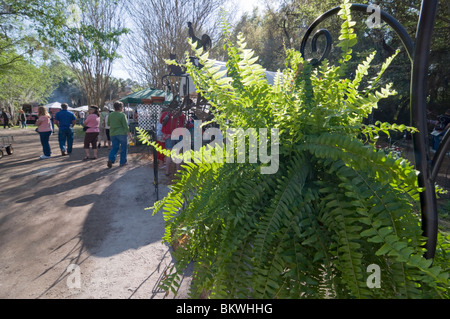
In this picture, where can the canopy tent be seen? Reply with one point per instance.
(84, 108)
(270, 75)
(140, 97)
(54, 105)
(187, 85)
(57, 105)
(143, 108)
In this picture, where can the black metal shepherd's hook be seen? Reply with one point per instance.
(418, 52)
(155, 165)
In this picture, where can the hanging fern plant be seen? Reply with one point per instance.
(336, 207)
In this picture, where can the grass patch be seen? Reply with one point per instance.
(78, 132)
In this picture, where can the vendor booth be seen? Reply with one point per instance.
(143, 108)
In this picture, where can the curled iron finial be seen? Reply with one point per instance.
(329, 41)
(387, 18)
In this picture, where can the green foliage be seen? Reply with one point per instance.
(88, 33)
(26, 82)
(89, 40)
(335, 206)
(28, 67)
(21, 23)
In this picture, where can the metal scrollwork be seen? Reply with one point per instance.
(329, 41)
(418, 53)
(387, 18)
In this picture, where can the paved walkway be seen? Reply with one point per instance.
(76, 229)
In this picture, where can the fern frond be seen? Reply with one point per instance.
(285, 195)
(347, 36)
(392, 226)
(361, 157)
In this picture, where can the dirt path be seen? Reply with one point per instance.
(76, 229)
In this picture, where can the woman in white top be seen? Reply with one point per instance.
(102, 136)
(106, 126)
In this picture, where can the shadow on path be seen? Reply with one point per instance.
(118, 220)
(67, 185)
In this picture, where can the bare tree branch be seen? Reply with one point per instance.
(160, 29)
(96, 49)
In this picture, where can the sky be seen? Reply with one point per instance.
(119, 70)
(248, 5)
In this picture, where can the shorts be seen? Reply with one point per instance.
(91, 138)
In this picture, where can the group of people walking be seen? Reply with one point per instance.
(6, 117)
(112, 128)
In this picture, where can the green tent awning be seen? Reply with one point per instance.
(146, 94)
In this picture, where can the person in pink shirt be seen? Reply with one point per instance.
(91, 124)
(44, 128)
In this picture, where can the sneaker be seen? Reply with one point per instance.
(123, 164)
(109, 164)
(44, 157)
(63, 153)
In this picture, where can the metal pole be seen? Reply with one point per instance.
(155, 166)
(418, 53)
(418, 95)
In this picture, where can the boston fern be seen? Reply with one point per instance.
(335, 214)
